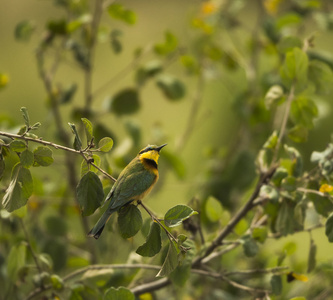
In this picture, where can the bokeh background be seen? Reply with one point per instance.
(219, 123)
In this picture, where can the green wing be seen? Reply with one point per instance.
(132, 182)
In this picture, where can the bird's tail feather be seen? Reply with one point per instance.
(96, 231)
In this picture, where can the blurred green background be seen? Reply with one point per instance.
(219, 119)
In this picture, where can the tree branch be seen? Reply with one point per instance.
(56, 146)
(239, 215)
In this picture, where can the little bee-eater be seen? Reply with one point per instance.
(133, 184)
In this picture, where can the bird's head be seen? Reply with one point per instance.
(151, 152)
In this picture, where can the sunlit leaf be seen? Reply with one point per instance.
(119, 12)
(86, 168)
(175, 215)
(77, 140)
(19, 190)
(88, 129)
(213, 209)
(273, 95)
(120, 293)
(105, 144)
(170, 44)
(25, 115)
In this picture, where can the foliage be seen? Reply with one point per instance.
(259, 188)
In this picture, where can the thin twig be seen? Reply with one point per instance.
(231, 282)
(257, 271)
(56, 146)
(155, 219)
(283, 128)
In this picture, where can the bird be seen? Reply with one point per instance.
(134, 183)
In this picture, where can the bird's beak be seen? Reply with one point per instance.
(160, 147)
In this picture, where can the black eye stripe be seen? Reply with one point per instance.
(145, 150)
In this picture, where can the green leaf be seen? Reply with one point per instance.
(182, 273)
(153, 242)
(2, 165)
(17, 146)
(85, 168)
(67, 95)
(148, 71)
(35, 126)
(175, 163)
(118, 12)
(213, 209)
(115, 42)
(288, 43)
(289, 183)
(279, 174)
(89, 193)
(125, 102)
(276, 284)
(57, 282)
(24, 30)
(25, 115)
(295, 68)
(170, 44)
(177, 214)
(321, 75)
(15, 261)
(312, 256)
(105, 144)
(120, 293)
(322, 204)
(171, 87)
(298, 134)
(77, 141)
(88, 129)
(285, 223)
(170, 262)
(269, 192)
(297, 161)
(273, 95)
(27, 158)
(303, 111)
(250, 246)
(329, 228)
(129, 221)
(260, 234)
(19, 190)
(43, 156)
